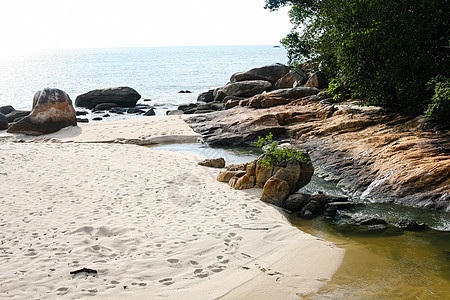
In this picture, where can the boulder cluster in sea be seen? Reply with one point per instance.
(52, 109)
(266, 86)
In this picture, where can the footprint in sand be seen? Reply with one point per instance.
(174, 263)
(200, 273)
(166, 281)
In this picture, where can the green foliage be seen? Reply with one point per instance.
(440, 102)
(381, 51)
(275, 155)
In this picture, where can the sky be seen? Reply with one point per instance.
(62, 24)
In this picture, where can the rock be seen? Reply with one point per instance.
(3, 122)
(317, 80)
(315, 206)
(231, 103)
(246, 88)
(106, 115)
(294, 93)
(296, 76)
(150, 112)
(410, 225)
(6, 109)
(219, 95)
(264, 101)
(82, 113)
(245, 182)
(121, 96)
(296, 202)
(52, 110)
(275, 191)
(117, 110)
(134, 110)
(187, 107)
(262, 174)
(174, 112)
(206, 96)
(185, 92)
(268, 73)
(366, 220)
(225, 176)
(82, 120)
(15, 115)
(213, 163)
(97, 119)
(105, 106)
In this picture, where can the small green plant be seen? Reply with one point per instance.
(440, 102)
(275, 155)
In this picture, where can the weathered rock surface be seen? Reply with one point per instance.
(382, 157)
(206, 96)
(52, 110)
(121, 96)
(275, 191)
(3, 122)
(294, 77)
(317, 80)
(270, 73)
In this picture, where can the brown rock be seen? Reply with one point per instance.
(225, 176)
(52, 110)
(245, 182)
(262, 174)
(275, 191)
(317, 80)
(251, 168)
(213, 163)
(296, 76)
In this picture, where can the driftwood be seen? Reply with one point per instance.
(86, 270)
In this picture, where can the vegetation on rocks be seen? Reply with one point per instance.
(384, 52)
(274, 155)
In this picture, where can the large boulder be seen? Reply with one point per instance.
(294, 77)
(3, 122)
(268, 73)
(121, 96)
(317, 80)
(243, 89)
(52, 110)
(275, 191)
(206, 96)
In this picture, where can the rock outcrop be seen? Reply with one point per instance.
(120, 96)
(52, 110)
(270, 73)
(3, 122)
(379, 156)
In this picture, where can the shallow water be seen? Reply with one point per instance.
(399, 265)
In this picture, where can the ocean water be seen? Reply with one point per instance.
(157, 73)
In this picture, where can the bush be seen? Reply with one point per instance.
(274, 155)
(440, 102)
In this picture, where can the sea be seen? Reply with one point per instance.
(158, 74)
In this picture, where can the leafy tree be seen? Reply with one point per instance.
(382, 51)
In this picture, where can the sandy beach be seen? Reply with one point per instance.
(153, 224)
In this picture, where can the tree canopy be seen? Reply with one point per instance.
(382, 51)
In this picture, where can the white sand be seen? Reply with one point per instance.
(154, 224)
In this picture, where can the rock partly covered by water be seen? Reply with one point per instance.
(52, 110)
(382, 157)
(120, 96)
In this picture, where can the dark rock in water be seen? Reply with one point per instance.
(135, 110)
(52, 110)
(206, 96)
(366, 220)
(97, 119)
(17, 114)
(187, 107)
(410, 225)
(147, 100)
(6, 109)
(315, 207)
(150, 112)
(213, 163)
(3, 122)
(117, 110)
(82, 120)
(82, 113)
(106, 116)
(268, 73)
(105, 106)
(296, 202)
(184, 92)
(121, 96)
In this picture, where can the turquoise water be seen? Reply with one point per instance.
(157, 73)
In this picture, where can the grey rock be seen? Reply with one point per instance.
(6, 109)
(3, 122)
(17, 114)
(268, 73)
(121, 96)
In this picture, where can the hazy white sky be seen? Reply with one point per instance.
(30, 24)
